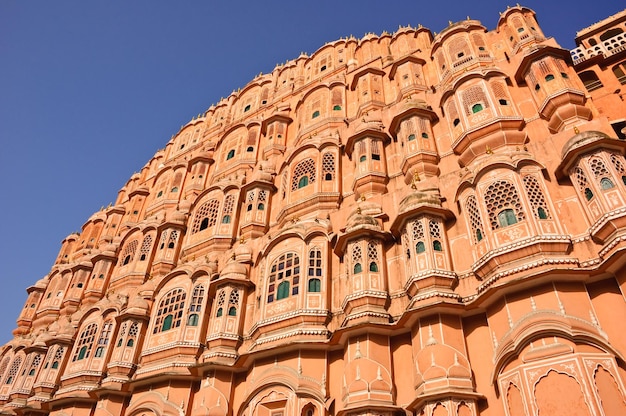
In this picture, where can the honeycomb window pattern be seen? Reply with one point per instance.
(598, 168)
(417, 230)
(304, 168)
(581, 179)
(15, 366)
(474, 95)
(206, 217)
(3, 367)
(434, 228)
(536, 197)
(499, 196)
(328, 166)
(476, 222)
(221, 298)
(129, 252)
(233, 302)
(144, 252)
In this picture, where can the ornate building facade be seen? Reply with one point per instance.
(404, 224)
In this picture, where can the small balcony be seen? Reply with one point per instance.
(607, 48)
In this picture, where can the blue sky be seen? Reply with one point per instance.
(90, 90)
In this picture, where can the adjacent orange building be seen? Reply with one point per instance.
(404, 224)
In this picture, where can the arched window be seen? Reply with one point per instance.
(476, 108)
(85, 342)
(231, 154)
(420, 247)
(145, 247)
(283, 290)
(363, 158)
(192, 320)
(372, 256)
(226, 219)
(172, 239)
(261, 207)
(315, 114)
(315, 263)
(503, 204)
(357, 259)
(606, 183)
(411, 137)
(219, 313)
(206, 216)
(304, 169)
(284, 275)
(315, 285)
(232, 311)
(424, 135)
(170, 311)
(437, 245)
(474, 100)
(336, 108)
(373, 266)
(619, 71)
(549, 77)
(357, 268)
(590, 80)
(588, 194)
(167, 323)
(506, 217)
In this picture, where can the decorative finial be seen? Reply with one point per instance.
(576, 131)
(358, 210)
(362, 197)
(488, 150)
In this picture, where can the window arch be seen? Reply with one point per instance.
(535, 196)
(34, 365)
(172, 240)
(503, 202)
(221, 298)
(229, 204)
(616, 161)
(85, 342)
(286, 269)
(417, 231)
(206, 216)
(357, 259)
(195, 305)
(590, 80)
(474, 100)
(303, 174)
(170, 311)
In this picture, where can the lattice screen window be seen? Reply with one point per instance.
(499, 92)
(315, 270)
(303, 174)
(458, 49)
(15, 367)
(197, 298)
(283, 184)
(129, 252)
(206, 216)
(145, 247)
(618, 165)
(103, 340)
(372, 256)
(517, 23)
(250, 197)
(375, 150)
(229, 203)
(423, 128)
(475, 220)
(474, 100)
(85, 342)
(536, 197)
(417, 230)
(284, 277)
(134, 330)
(583, 184)
(3, 367)
(434, 229)
(251, 138)
(233, 302)
(405, 244)
(170, 311)
(544, 68)
(357, 259)
(328, 166)
(479, 41)
(441, 63)
(172, 240)
(360, 151)
(601, 173)
(58, 356)
(503, 204)
(195, 305)
(453, 113)
(221, 298)
(34, 365)
(262, 196)
(120, 336)
(337, 100)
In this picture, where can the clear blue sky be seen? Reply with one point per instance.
(89, 90)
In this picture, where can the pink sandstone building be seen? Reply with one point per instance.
(405, 224)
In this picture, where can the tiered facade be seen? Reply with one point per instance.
(411, 223)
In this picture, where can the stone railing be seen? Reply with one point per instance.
(609, 47)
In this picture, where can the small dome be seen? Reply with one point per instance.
(363, 215)
(582, 139)
(418, 198)
(234, 269)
